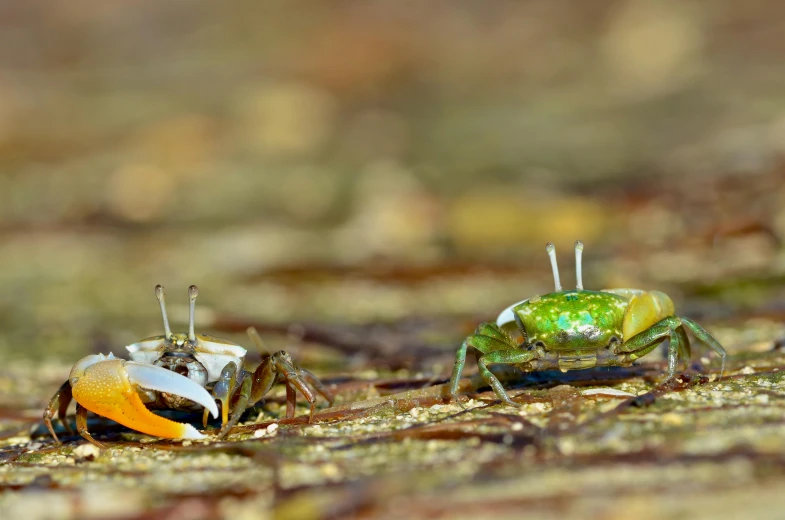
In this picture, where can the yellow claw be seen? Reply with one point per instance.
(644, 310)
(108, 387)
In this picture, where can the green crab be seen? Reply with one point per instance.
(578, 329)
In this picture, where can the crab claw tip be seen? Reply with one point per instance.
(191, 433)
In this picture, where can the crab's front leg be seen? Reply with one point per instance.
(234, 398)
(223, 391)
(495, 347)
(232, 390)
(109, 387)
(670, 328)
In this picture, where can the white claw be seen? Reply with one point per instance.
(162, 380)
(192, 433)
(507, 315)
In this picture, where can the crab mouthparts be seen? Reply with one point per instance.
(577, 362)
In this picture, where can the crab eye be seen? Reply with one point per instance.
(614, 341)
(539, 344)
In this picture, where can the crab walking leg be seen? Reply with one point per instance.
(291, 400)
(487, 338)
(109, 388)
(506, 357)
(272, 369)
(285, 369)
(674, 349)
(81, 425)
(685, 352)
(59, 403)
(643, 343)
(671, 328)
(263, 379)
(240, 400)
(223, 390)
(317, 385)
(457, 368)
(65, 399)
(708, 339)
(279, 367)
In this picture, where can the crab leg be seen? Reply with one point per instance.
(488, 337)
(223, 391)
(59, 403)
(505, 357)
(81, 425)
(240, 404)
(317, 385)
(108, 387)
(671, 327)
(291, 401)
(294, 381)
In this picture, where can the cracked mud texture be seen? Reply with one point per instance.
(364, 184)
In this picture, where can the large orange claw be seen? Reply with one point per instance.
(107, 386)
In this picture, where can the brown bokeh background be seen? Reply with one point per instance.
(367, 161)
(365, 182)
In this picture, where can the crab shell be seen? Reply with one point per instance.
(213, 353)
(638, 310)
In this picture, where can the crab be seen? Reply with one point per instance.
(177, 371)
(579, 329)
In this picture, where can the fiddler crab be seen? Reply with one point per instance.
(579, 329)
(177, 371)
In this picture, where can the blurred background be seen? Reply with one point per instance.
(360, 162)
(365, 182)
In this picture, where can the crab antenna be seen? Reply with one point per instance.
(551, 249)
(193, 292)
(159, 293)
(578, 268)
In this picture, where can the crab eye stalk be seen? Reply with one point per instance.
(551, 249)
(159, 293)
(193, 292)
(253, 334)
(578, 268)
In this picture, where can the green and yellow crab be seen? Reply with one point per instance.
(578, 329)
